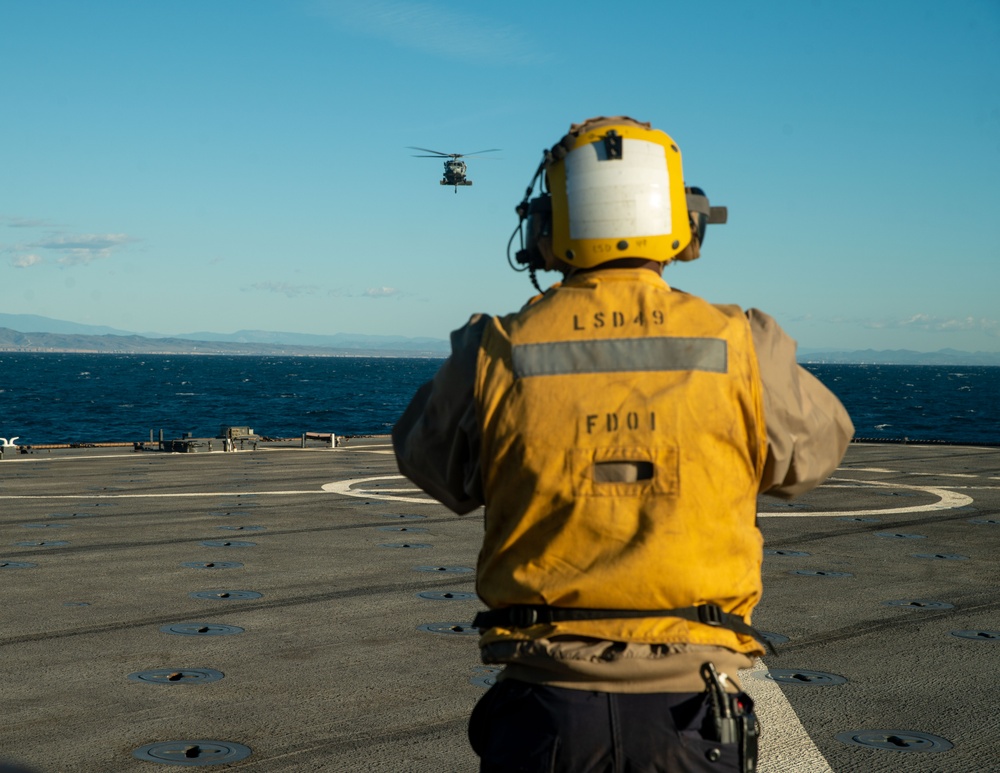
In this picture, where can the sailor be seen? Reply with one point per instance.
(618, 432)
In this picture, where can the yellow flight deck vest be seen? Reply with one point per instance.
(613, 366)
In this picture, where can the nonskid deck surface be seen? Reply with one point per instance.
(311, 607)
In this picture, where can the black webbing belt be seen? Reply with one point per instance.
(526, 615)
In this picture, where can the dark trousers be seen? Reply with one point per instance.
(532, 728)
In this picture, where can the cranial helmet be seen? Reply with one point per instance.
(612, 188)
(617, 191)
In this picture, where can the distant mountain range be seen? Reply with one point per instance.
(900, 357)
(32, 333)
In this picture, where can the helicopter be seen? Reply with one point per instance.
(454, 168)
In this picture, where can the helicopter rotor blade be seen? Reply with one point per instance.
(428, 150)
(466, 155)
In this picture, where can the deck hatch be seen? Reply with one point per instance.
(895, 740)
(201, 629)
(226, 595)
(212, 564)
(801, 677)
(451, 629)
(177, 676)
(978, 635)
(192, 753)
(918, 604)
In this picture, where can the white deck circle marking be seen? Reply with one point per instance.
(364, 492)
(947, 500)
(91, 495)
(943, 474)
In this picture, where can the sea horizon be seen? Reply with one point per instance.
(59, 398)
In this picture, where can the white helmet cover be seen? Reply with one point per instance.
(617, 191)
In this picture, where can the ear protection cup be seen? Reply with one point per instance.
(701, 213)
(538, 223)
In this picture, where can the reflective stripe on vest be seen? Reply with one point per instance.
(619, 355)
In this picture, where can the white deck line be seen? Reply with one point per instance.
(785, 746)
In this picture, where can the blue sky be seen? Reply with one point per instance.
(243, 164)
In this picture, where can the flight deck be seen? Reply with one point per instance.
(308, 609)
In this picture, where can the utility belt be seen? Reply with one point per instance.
(730, 720)
(526, 615)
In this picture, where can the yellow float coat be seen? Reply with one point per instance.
(623, 443)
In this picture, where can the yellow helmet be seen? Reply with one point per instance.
(617, 191)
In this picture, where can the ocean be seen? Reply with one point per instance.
(94, 398)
